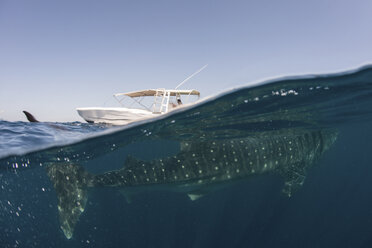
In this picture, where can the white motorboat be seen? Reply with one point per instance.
(163, 101)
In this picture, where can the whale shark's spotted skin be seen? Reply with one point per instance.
(217, 161)
(198, 165)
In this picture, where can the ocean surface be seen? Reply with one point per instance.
(333, 208)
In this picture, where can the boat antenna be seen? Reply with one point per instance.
(184, 81)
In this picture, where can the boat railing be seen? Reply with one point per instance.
(161, 101)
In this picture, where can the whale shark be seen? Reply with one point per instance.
(197, 168)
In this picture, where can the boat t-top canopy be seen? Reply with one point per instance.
(153, 92)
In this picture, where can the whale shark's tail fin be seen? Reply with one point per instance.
(30, 117)
(71, 184)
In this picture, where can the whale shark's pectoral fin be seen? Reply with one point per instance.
(198, 193)
(294, 176)
(71, 184)
(194, 196)
(127, 195)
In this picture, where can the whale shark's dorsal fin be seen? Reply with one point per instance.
(30, 117)
(185, 146)
(129, 160)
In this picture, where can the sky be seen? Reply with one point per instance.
(56, 56)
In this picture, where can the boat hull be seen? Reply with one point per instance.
(114, 116)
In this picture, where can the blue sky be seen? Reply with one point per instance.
(59, 55)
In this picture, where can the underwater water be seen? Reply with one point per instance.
(312, 133)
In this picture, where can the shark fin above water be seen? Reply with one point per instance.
(30, 117)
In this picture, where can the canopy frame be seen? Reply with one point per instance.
(161, 98)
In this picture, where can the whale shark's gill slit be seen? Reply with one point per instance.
(321, 142)
(301, 143)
